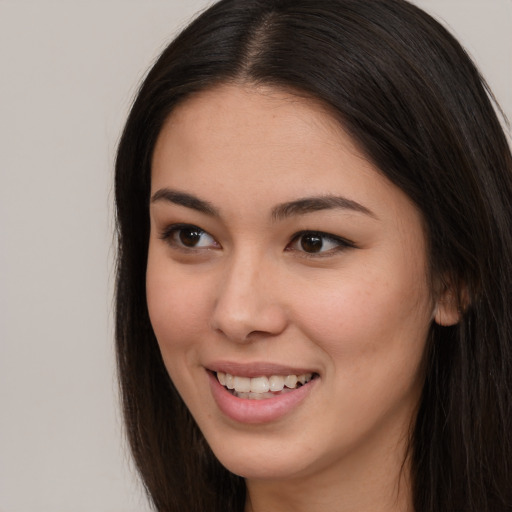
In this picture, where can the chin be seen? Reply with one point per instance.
(259, 466)
(264, 457)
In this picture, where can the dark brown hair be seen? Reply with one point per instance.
(418, 108)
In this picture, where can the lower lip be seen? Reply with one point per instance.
(266, 410)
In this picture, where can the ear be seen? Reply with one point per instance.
(448, 308)
(446, 312)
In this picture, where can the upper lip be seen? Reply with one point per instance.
(256, 369)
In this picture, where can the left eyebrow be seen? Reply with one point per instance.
(314, 204)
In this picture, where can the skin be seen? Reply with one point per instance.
(358, 315)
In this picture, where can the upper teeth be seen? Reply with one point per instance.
(262, 384)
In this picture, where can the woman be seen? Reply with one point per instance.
(314, 274)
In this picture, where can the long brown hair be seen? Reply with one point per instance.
(418, 108)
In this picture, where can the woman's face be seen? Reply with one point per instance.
(279, 253)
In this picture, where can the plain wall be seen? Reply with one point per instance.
(69, 70)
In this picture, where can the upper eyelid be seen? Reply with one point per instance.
(324, 234)
(168, 232)
(170, 228)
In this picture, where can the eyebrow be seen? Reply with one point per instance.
(314, 204)
(186, 200)
(280, 212)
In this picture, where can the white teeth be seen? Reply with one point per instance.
(230, 381)
(290, 381)
(242, 384)
(261, 387)
(276, 383)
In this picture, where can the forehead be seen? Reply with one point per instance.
(247, 132)
(255, 108)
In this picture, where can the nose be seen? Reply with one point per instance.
(247, 303)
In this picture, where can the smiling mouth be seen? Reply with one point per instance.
(260, 388)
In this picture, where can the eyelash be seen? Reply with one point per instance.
(170, 232)
(340, 244)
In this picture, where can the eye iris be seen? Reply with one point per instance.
(311, 243)
(189, 237)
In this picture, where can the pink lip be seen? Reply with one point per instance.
(257, 411)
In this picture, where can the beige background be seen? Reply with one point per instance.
(68, 72)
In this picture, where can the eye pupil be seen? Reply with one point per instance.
(189, 237)
(311, 243)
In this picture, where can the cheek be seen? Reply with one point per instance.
(177, 311)
(176, 304)
(373, 333)
(367, 318)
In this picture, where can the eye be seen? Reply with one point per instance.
(186, 236)
(317, 242)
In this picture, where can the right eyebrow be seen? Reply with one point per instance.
(184, 199)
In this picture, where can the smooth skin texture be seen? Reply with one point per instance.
(253, 281)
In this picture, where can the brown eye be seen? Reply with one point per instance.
(311, 242)
(190, 237)
(318, 243)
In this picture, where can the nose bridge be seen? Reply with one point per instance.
(247, 301)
